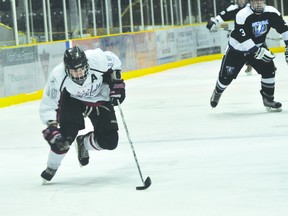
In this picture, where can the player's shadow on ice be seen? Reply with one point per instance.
(236, 114)
(99, 181)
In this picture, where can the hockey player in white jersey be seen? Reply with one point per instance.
(247, 44)
(86, 84)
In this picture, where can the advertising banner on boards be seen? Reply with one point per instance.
(185, 42)
(166, 46)
(145, 50)
(19, 68)
(207, 42)
(2, 83)
(49, 55)
(86, 44)
(117, 45)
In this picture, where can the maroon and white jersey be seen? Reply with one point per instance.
(93, 90)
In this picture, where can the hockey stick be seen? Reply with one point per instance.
(226, 29)
(268, 38)
(148, 181)
(275, 39)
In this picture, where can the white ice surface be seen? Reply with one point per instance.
(227, 161)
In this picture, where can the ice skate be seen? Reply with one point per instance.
(270, 104)
(215, 98)
(248, 70)
(82, 152)
(48, 174)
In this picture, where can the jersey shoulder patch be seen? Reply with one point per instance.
(242, 15)
(232, 8)
(97, 59)
(57, 75)
(271, 9)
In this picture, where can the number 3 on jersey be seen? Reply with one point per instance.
(242, 32)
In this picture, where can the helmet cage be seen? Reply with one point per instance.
(257, 6)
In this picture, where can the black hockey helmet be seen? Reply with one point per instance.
(75, 60)
(257, 6)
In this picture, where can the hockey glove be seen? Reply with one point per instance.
(264, 54)
(212, 25)
(117, 91)
(55, 139)
(286, 54)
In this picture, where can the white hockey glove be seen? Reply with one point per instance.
(213, 25)
(264, 54)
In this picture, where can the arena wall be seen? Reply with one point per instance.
(24, 69)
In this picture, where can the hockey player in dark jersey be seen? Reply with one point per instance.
(228, 14)
(247, 44)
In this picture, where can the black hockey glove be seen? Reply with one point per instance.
(107, 76)
(55, 139)
(117, 91)
(264, 54)
(286, 54)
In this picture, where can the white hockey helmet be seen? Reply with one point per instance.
(257, 6)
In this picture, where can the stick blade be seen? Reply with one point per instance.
(147, 184)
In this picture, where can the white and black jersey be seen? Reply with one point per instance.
(93, 90)
(251, 29)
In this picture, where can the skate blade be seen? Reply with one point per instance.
(44, 181)
(76, 149)
(270, 109)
